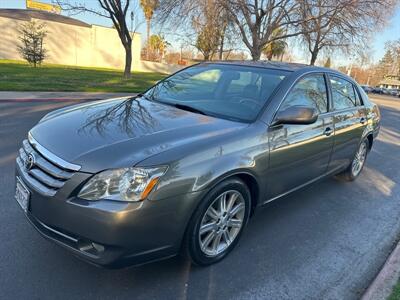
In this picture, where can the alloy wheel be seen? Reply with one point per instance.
(221, 223)
(359, 159)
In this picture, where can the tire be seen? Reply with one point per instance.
(356, 166)
(223, 228)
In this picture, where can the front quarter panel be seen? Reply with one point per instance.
(199, 167)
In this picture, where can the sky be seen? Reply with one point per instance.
(390, 32)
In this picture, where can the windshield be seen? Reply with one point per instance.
(226, 91)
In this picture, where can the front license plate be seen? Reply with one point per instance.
(22, 194)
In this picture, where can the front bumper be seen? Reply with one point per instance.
(110, 233)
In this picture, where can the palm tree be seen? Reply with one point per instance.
(277, 47)
(148, 6)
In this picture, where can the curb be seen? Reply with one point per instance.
(384, 282)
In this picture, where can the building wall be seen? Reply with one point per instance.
(93, 46)
(151, 66)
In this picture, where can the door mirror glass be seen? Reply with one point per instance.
(296, 115)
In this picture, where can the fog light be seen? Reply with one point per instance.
(98, 247)
(90, 247)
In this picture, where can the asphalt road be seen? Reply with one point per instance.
(325, 242)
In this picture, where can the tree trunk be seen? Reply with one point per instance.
(221, 48)
(313, 58)
(128, 60)
(255, 54)
(148, 39)
(314, 54)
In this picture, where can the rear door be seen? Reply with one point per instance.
(301, 153)
(349, 120)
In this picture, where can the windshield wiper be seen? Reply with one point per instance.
(143, 96)
(189, 108)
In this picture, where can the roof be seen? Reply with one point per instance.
(267, 64)
(27, 14)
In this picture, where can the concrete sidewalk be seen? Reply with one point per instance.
(57, 96)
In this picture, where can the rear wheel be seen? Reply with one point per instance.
(356, 166)
(218, 222)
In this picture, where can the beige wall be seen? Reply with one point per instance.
(151, 66)
(94, 46)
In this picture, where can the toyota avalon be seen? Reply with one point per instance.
(182, 167)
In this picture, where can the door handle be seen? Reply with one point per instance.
(328, 131)
(363, 120)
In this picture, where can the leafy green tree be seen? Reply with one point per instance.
(31, 45)
(157, 46)
(208, 41)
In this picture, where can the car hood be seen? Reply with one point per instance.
(122, 132)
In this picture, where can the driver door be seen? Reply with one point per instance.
(300, 153)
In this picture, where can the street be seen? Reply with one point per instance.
(327, 241)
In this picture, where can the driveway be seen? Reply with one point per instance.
(325, 242)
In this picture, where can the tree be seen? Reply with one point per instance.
(208, 28)
(212, 29)
(392, 57)
(116, 10)
(340, 24)
(148, 6)
(327, 63)
(31, 47)
(275, 48)
(254, 20)
(258, 20)
(207, 42)
(157, 46)
(390, 62)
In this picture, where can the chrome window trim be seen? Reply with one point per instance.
(52, 157)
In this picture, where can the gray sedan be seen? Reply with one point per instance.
(182, 167)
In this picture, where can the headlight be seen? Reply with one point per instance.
(129, 184)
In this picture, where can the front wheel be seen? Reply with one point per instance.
(357, 164)
(218, 223)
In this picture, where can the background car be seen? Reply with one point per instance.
(366, 88)
(394, 92)
(377, 90)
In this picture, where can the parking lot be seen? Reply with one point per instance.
(325, 242)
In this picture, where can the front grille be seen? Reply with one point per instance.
(48, 173)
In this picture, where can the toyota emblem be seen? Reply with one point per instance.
(30, 161)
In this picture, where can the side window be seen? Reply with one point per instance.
(358, 96)
(308, 91)
(343, 95)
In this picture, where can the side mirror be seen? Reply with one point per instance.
(296, 115)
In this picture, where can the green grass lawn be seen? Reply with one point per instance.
(395, 293)
(19, 76)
